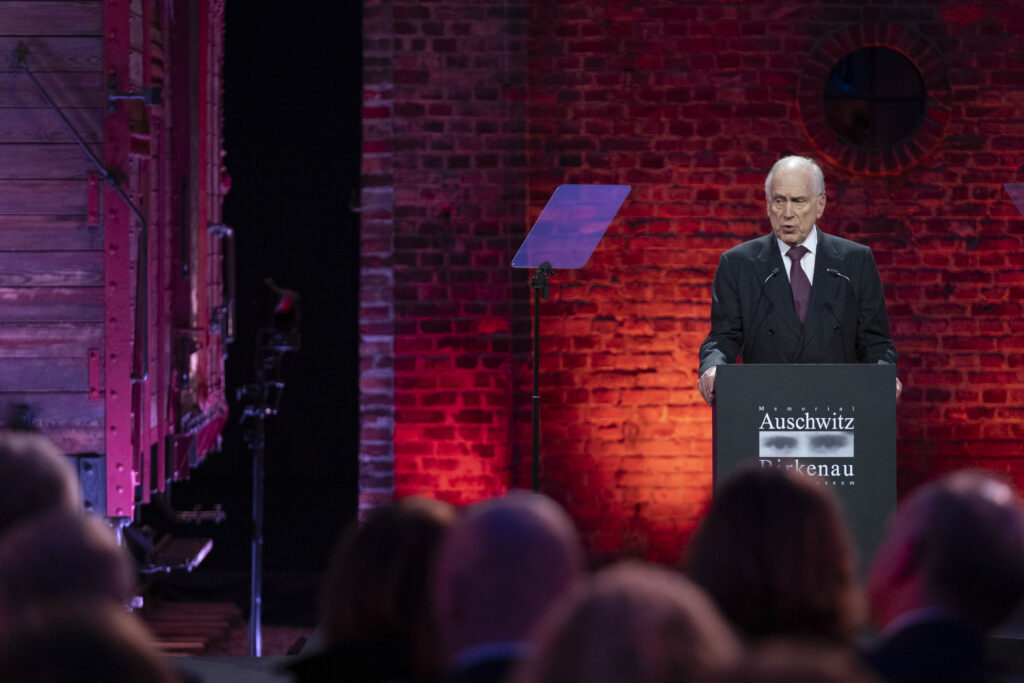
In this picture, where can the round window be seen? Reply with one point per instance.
(874, 99)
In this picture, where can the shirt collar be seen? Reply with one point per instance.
(811, 242)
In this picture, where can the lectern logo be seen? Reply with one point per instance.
(816, 441)
(808, 421)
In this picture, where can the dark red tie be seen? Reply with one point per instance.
(799, 282)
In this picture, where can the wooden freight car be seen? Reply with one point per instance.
(113, 314)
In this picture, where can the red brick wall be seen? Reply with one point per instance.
(690, 104)
(443, 206)
(376, 311)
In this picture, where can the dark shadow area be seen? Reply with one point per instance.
(292, 98)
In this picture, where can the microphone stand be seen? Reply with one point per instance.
(263, 400)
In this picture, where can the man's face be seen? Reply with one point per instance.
(793, 205)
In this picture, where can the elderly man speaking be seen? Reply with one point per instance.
(798, 295)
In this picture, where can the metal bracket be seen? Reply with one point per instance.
(151, 95)
(223, 317)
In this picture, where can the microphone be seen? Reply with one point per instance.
(756, 326)
(835, 273)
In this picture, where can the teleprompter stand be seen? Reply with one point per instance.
(564, 236)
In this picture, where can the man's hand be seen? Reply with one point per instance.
(899, 388)
(706, 384)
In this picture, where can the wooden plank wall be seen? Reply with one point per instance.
(51, 258)
(69, 316)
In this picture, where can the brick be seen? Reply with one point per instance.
(674, 122)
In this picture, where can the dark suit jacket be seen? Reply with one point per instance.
(752, 312)
(934, 651)
(497, 670)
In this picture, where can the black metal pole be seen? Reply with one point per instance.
(274, 343)
(540, 290)
(256, 588)
(536, 389)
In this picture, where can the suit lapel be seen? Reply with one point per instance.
(823, 290)
(779, 294)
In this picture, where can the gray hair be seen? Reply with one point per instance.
(794, 161)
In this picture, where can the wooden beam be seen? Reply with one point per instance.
(36, 232)
(24, 17)
(68, 89)
(44, 161)
(77, 439)
(44, 374)
(51, 269)
(53, 53)
(45, 197)
(51, 304)
(58, 409)
(33, 340)
(42, 124)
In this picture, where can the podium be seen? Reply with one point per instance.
(834, 423)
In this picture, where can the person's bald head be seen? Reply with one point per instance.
(502, 563)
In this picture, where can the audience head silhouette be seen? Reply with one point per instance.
(376, 612)
(83, 641)
(776, 556)
(956, 544)
(62, 557)
(500, 567)
(35, 477)
(633, 622)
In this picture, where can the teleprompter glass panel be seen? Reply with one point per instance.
(570, 226)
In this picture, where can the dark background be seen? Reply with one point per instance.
(292, 99)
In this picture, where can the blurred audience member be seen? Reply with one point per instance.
(82, 643)
(636, 623)
(63, 558)
(501, 566)
(949, 569)
(776, 556)
(35, 477)
(377, 620)
(785, 661)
